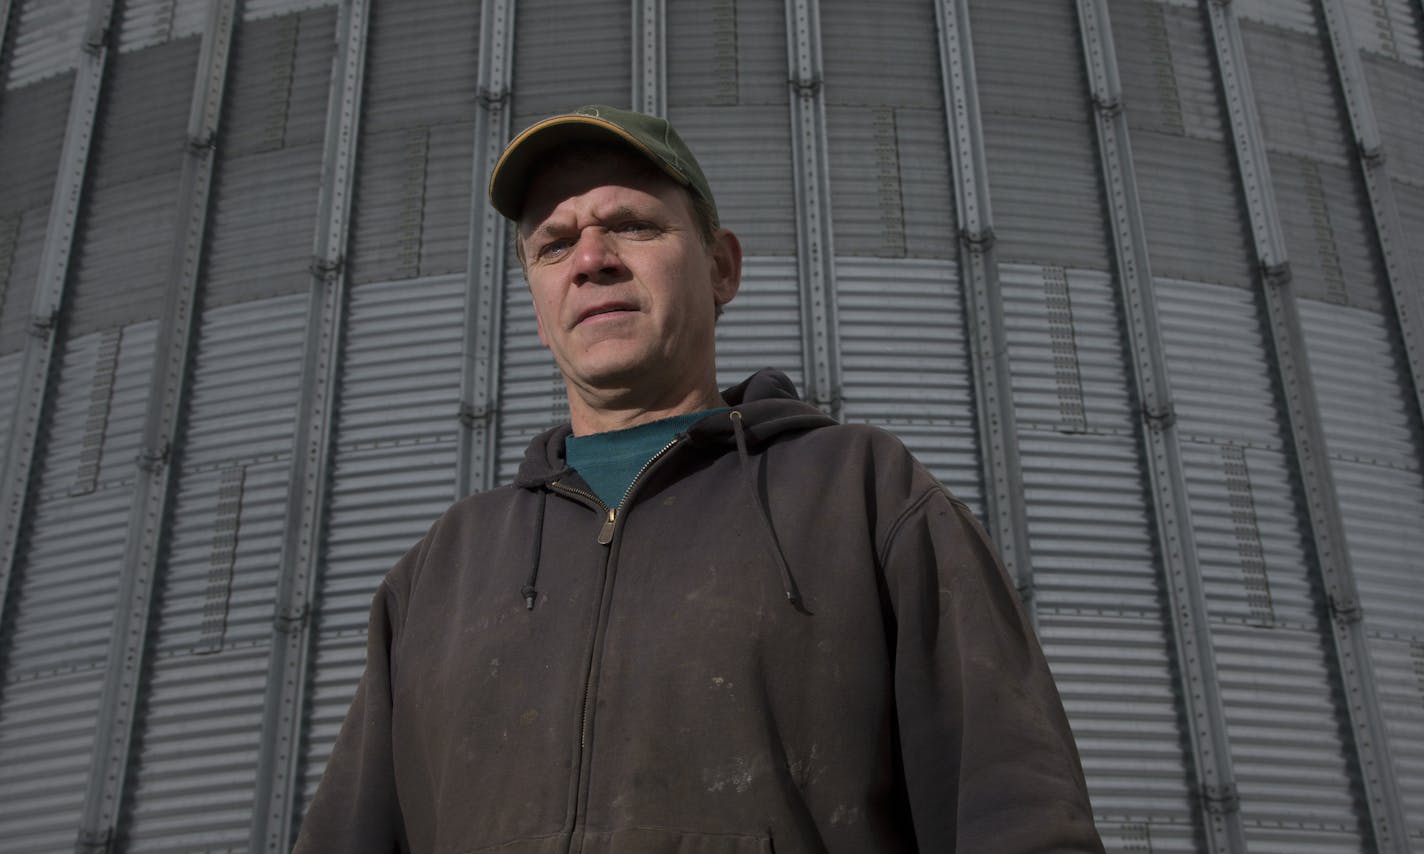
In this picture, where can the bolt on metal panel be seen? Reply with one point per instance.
(477, 466)
(1196, 661)
(815, 270)
(988, 350)
(273, 819)
(1303, 415)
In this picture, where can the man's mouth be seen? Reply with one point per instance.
(605, 308)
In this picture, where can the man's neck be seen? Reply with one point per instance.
(599, 416)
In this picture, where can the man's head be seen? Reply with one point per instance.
(627, 266)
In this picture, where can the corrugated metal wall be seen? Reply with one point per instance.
(1138, 279)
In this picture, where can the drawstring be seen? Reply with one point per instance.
(788, 583)
(529, 591)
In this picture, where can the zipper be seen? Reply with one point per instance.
(605, 538)
(605, 534)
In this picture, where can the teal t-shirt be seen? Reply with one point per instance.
(609, 461)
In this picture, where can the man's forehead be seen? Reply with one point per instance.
(576, 173)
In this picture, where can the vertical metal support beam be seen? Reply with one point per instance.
(31, 397)
(1404, 282)
(1307, 437)
(1366, 714)
(154, 481)
(279, 760)
(478, 457)
(1205, 710)
(815, 256)
(650, 57)
(988, 352)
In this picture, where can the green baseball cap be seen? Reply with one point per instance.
(647, 135)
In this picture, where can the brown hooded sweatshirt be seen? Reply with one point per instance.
(788, 638)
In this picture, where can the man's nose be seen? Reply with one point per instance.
(596, 258)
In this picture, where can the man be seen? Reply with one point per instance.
(697, 621)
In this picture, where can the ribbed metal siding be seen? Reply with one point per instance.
(903, 360)
(412, 206)
(47, 37)
(58, 629)
(265, 189)
(32, 122)
(906, 365)
(393, 471)
(119, 270)
(193, 784)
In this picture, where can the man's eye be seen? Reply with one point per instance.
(636, 228)
(553, 248)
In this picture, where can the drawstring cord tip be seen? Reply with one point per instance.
(529, 595)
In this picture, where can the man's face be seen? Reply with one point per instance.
(625, 290)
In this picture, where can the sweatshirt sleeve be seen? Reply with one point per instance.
(989, 761)
(355, 808)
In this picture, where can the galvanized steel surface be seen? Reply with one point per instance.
(1115, 368)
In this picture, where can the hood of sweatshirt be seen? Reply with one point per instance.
(766, 405)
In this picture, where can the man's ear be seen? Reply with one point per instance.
(726, 254)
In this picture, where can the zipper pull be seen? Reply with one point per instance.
(605, 536)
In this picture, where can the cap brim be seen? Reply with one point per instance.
(509, 181)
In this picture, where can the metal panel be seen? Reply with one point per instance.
(32, 124)
(1359, 382)
(877, 54)
(26, 248)
(245, 383)
(421, 68)
(127, 236)
(1067, 355)
(546, 37)
(746, 155)
(400, 370)
(46, 733)
(1388, 28)
(1394, 88)
(263, 207)
(1291, 767)
(9, 384)
(277, 84)
(1115, 675)
(257, 9)
(1219, 364)
(152, 22)
(1297, 15)
(1027, 63)
(1296, 94)
(531, 394)
(1329, 233)
(1088, 526)
(762, 326)
(145, 113)
(1399, 667)
(1047, 204)
(1195, 229)
(193, 788)
(413, 194)
(702, 53)
(46, 37)
(890, 182)
(906, 363)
